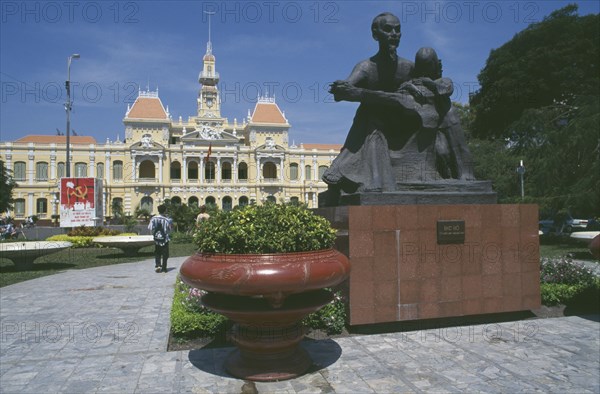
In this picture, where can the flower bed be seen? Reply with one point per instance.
(565, 282)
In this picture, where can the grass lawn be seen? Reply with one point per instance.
(79, 259)
(562, 249)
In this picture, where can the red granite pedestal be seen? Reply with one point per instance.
(401, 271)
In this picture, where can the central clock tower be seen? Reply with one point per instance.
(209, 102)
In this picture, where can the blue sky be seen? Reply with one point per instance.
(290, 49)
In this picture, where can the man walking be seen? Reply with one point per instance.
(160, 226)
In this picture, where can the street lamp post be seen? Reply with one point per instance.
(68, 109)
(521, 172)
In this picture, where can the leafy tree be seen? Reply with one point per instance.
(117, 210)
(550, 61)
(8, 184)
(142, 212)
(467, 116)
(539, 102)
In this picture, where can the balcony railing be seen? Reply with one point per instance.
(147, 180)
(271, 180)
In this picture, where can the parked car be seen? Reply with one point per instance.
(562, 223)
(575, 225)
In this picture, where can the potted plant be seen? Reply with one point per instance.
(265, 268)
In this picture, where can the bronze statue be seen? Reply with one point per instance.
(405, 129)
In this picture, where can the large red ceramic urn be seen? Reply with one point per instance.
(272, 276)
(267, 296)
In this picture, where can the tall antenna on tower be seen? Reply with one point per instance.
(209, 43)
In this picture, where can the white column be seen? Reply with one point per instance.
(314, 200)
(218, 170)
(53, 165)
(30, 209)
(281, 176)
(92, 167)
(306, 197)
(184, 170)
(8, 157)
(31, 167)
(107, 169)
(134, 169)
(201, 170)
(160, 168)
(234, 171)
(302, 170)
(315, 169)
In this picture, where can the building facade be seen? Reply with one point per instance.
(203, 159)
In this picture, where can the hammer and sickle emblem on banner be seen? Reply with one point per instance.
(80, 192)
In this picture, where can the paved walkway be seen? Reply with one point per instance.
(105, 330)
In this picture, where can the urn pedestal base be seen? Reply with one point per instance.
(267, 338)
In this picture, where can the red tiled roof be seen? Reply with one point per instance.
(147, 108)
(268, 113)
(57, 139)
(335, 147)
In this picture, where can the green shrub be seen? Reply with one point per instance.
(130, 224)
(331, 318)
(181, 238)
(558, 293)
(77, 241)
(86, 231)
(269, 228)
(189, 318)
(566, 282)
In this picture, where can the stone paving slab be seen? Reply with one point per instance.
(105, 330)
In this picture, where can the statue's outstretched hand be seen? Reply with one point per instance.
(343, 90)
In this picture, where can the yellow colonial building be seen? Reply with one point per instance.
(202, 159)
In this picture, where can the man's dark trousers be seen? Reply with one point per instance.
(161, 252)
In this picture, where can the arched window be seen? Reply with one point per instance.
(307, 173)
(243, 171)
(243, 201)
(193, 201)
(210, 200)
(19, 172)
(269, 170)
(118, 170)
(147, 170)
(322, 170)
(176, 200)
(271, 198)
(80, 170)
(294, 200)
(227, 203)
(192, 170)
(20, 207)
(100, 171)
(209, 171)
(226, 171)
(117, 207)
(175, 170)
(41, 171)
(41, 205)
(294, 172)
(60, 170)
(147, 203)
